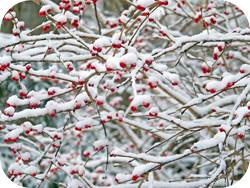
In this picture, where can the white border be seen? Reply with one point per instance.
(5, 182)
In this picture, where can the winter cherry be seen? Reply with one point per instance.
(86, 154)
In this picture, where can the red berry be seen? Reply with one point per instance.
(140, 8)
(99, 103)
(133, 108)
(123, 65)
(212, 91)
(242, 71)
(135, 177)
(240, 136)
(146, 104)
(215, 56)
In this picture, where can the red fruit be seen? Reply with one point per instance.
(163, 3)
(148, 62)
(65, 1)
(28, 67)
(146, 13)
(133, 108)
(10, 140)
(153, 114)
(205, 69)
(117, 46)
(164, 34)
(198, 18)
(122, 65)
(109, 69)
(78, 128)
(98, 49)
(151, 19)
(140, 8)
(174, 83)
(220, 48)
(135, 177)
(75, 23)
(213, 21)
(146, 104)
(215, 56)
(205, 24)
(77, 106)
(22, 75)
(46, 27)
(76, 11)
(42, 13)
(212, 91)
(94, 1)
(22, 94)
(86, 154)
(221, 129)
(51, 92)
(242, 71)
(240, 136)
(99, 103)
(230, 84)
(33, 106)
(59, 25)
